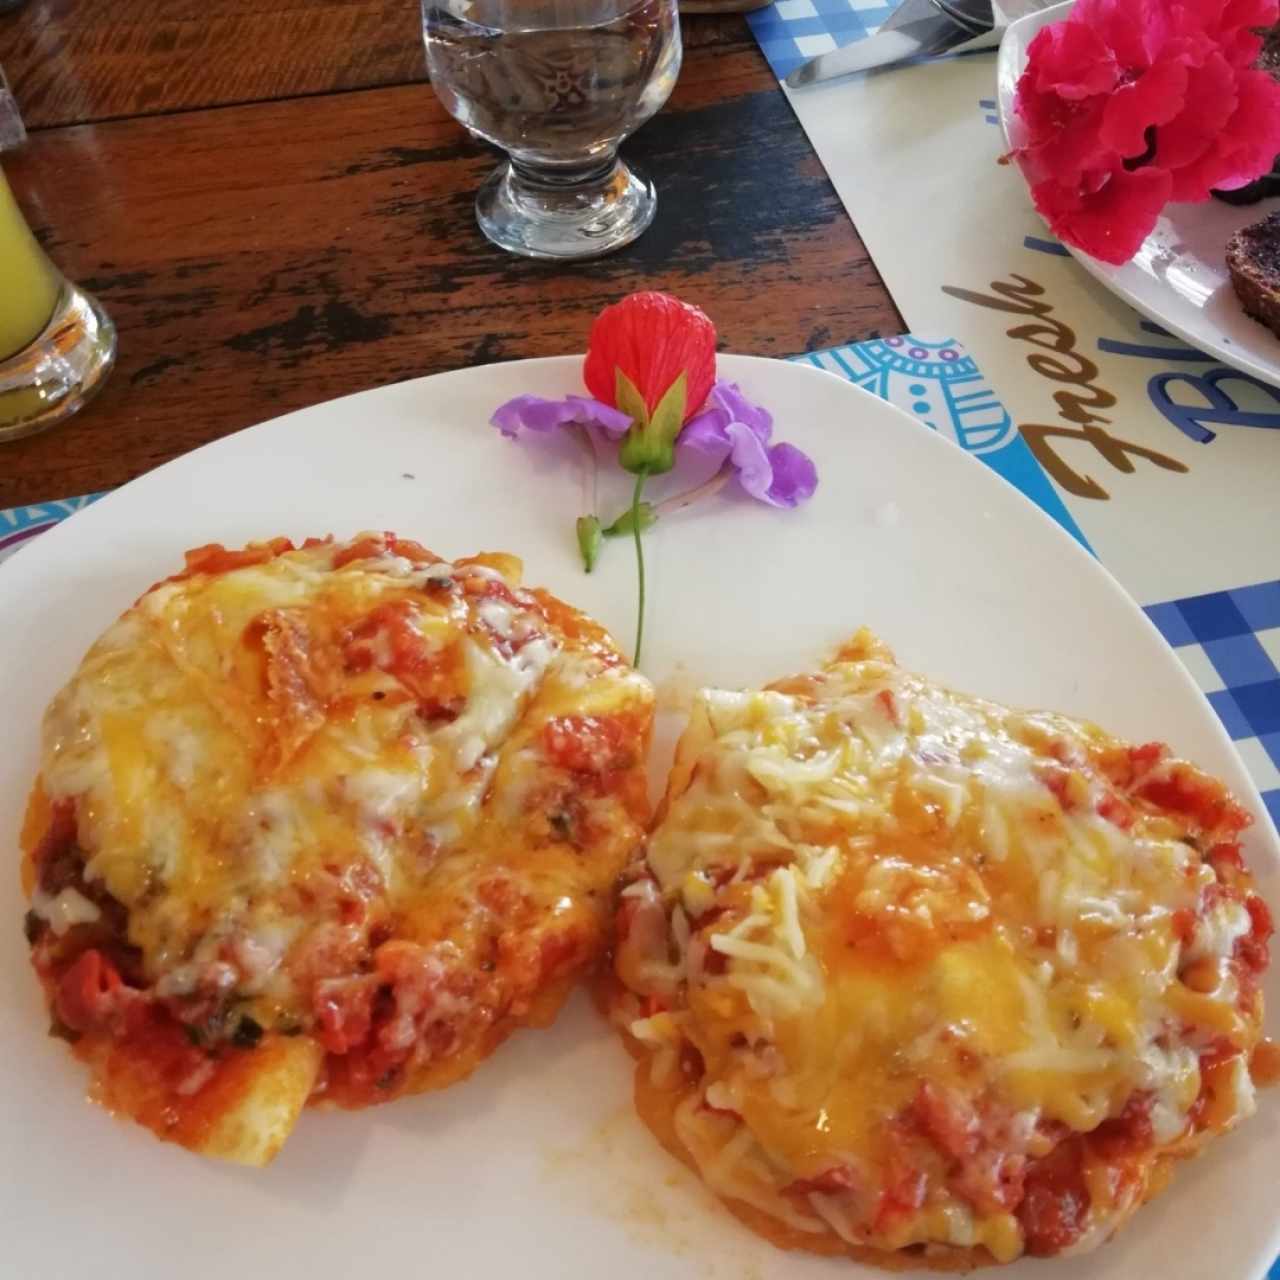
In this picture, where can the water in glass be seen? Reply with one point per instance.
(558, 84)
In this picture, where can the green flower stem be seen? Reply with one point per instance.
(635, 529)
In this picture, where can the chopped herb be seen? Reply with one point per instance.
(195, 1034)
(247, 1034)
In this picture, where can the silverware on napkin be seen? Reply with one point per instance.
(919, 28)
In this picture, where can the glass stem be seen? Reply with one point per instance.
(545, 177)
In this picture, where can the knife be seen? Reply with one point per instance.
(917, 29)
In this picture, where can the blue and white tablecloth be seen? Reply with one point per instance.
(793, 31)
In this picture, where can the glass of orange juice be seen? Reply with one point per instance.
(57, 345)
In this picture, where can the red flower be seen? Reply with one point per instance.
(1131, 103)
(1110, 224)
(652, 338)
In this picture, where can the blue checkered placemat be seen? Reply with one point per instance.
(793, 31)
(1230, 642)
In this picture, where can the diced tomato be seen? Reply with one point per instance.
(344, 1011)
(213, 557)
(1212, 1061)
(1115, 811)
(415, 978)
(1128, 1133)
(1211, 896)
(389, 638)
(1226, 859)
(1181, 788)
(1183, 923)
(362, 549)
(830, 1182)
(594, 745)
(1264, 1064)
(559, 951)
(1144, 758)
(1055, 1201)
(905, 1183)
(991, 1180)
(1056, 777)
(91, 996)
(480, 586)
(331, 950)
(890, 704)
(1253, 949)
(376, 545)
(945, 1117)
(1222, 1049)
(412, 550)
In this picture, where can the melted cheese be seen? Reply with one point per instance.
(241, 744)
(906, 887)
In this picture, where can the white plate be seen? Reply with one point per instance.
(1179, 277)
(536, 1167)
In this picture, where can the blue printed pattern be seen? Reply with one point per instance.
(939, 383)
(1230, 642)
(793, 31)
(20, 524)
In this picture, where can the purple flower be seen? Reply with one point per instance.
(730, 429)
(533, 413)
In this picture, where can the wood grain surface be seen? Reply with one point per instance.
(262, 257)
(77, 61)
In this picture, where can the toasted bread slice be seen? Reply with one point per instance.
(1253, 258)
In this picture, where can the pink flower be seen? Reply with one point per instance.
(1129, 104)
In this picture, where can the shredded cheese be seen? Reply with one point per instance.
(900, 888)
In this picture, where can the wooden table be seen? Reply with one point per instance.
(276, 210)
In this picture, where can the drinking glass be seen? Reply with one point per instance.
(56, 343)
(557, 84)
